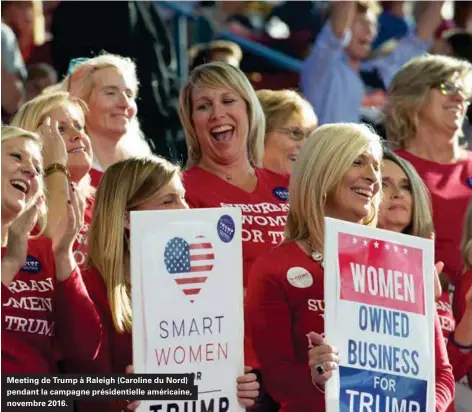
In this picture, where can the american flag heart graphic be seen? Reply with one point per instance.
(189, 263)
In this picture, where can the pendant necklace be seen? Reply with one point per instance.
(316, 256)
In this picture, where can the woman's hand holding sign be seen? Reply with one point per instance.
(322, 358)
(248, 388)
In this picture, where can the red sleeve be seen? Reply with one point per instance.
(458, 301)
(269, 315)
(79, 330)
(460, 361)
(445, 386)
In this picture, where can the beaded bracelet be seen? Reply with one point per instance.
(56, 167)
(459, 345)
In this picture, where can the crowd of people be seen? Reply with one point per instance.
(77, 159)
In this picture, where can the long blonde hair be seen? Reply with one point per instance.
(222, 75)
(321, 165)
(124, 186)
(13, 132)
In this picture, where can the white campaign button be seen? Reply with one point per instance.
(299, 277)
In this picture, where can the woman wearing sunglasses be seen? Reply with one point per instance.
(427, 103)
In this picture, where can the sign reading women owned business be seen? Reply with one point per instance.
(187, 291)
(379, 313)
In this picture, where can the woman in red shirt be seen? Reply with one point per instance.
(286, 286)
(60, 120)
(43, 296)
(427, 101)
(148, 183)
(406, 208)
(224, 128)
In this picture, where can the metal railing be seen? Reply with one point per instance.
(180, 30)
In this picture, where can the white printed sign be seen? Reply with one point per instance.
(187, 291)
(379, 313)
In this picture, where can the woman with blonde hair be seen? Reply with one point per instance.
(285, 279)
(67, 151)
(427, 102)
(109, 86)
(224, 128)
(39, 272)
(146, 183)
(289, 120)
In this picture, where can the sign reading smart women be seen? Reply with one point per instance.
(187, 291)
(379, 313)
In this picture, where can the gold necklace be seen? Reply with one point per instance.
(315, 255)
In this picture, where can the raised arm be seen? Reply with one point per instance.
(429, 20)
(75, 311)
(328, 47)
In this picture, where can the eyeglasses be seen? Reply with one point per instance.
(295, 133)
(449, 89)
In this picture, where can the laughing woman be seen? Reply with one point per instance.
(224, 128)
(39, 270)
(281, 319)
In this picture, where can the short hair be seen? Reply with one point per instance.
(410, 89)
(13, 132)
(422, 219)
(466, 244)
(315, 175)
(40, 70)
(280, 105)
(222, 75)
(140, 179)
(203, 53)
(80, 82)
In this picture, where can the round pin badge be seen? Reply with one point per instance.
(281, 193)
(299, 277)
(32, 265)
(226, 228)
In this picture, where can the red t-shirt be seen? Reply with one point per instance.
(450, 186)
(36, 309)
(446, 317)
(116, 350)
(463, 285)
(264, 211)
(264, 214)
(448, 324)
(95, 176)
(283, 308)
(280, 316)
(80, 245)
